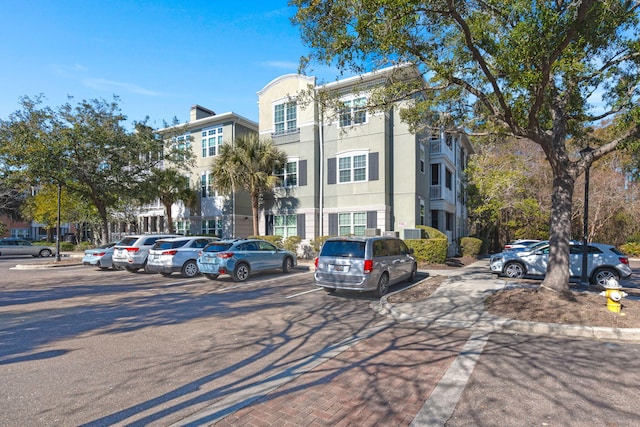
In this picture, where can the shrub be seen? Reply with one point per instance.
(431, 233)
(631, 248)
(471, 246)
(431, 251)
(291, 243)
(317, 243)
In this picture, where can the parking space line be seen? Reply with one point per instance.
(303, 293)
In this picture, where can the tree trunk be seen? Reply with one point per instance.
(255, 199)
(557, 277)
(102, 213)
(167, 209)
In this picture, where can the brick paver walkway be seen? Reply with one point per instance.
(382, 380)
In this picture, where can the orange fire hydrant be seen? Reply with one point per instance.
(614, 295)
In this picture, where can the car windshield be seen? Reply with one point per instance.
(343, 248)
(218, 247)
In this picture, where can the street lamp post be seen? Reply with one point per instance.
(584, 279)
(58, 258)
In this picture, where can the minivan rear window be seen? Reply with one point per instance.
(343, 248)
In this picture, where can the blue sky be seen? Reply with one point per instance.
(159, 57)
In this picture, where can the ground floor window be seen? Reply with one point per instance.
(352, 223)
(212, 227)
(285, 225)
(181, 227)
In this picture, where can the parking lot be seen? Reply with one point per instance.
(84, 346)
(77, 342)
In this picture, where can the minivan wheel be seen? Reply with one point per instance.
(603, 275)
(211, 276)
(287, 265)
(241, 273)
(190, 269)
(514, 270)
(383, 286)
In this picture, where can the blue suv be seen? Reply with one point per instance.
(241, 257)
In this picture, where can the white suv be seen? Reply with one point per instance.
(177, 255)
(132, 251)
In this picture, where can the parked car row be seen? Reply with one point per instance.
(345, 263)
(603, 262)
(191, 255)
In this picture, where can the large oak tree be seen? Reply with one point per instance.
(540, 71)
(87, 149)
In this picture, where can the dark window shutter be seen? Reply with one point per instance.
(372, 219)
(301, 226)
(302, 173)
(331, 170)
(374, 168)
(333, 224)
(268, 222)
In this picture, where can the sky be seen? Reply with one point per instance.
(159, 57)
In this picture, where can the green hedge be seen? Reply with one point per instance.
(631, 248)
(431, 233)
(470, 246)
(431, 251)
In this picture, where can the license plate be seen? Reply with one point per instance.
(338, 268)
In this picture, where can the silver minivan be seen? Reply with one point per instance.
(364, 264)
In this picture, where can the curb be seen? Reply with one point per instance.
(492, 323)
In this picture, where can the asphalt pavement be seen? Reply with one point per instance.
(445, 361)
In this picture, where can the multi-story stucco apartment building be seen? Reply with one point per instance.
(215, 214)
(356, 172)
(348, 172)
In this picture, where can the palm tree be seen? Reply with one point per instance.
(248, 163)
(170, 186)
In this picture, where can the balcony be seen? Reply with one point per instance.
(286, 137)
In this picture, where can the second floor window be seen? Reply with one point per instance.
(352, 168)
(354, 112)
(288, 175)
(205, 185)
(285, 117)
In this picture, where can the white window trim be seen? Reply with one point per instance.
(351, 98)
(295, 160)
(284, 101)
(352, 154)
(352, 225)
(205, 136)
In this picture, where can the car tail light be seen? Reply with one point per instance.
(134, 250)
(171, 252)
(225, 255)
(315, 262)
(368, 266)
(624, 260)
(100, 253)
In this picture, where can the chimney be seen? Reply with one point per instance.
(199, 112)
